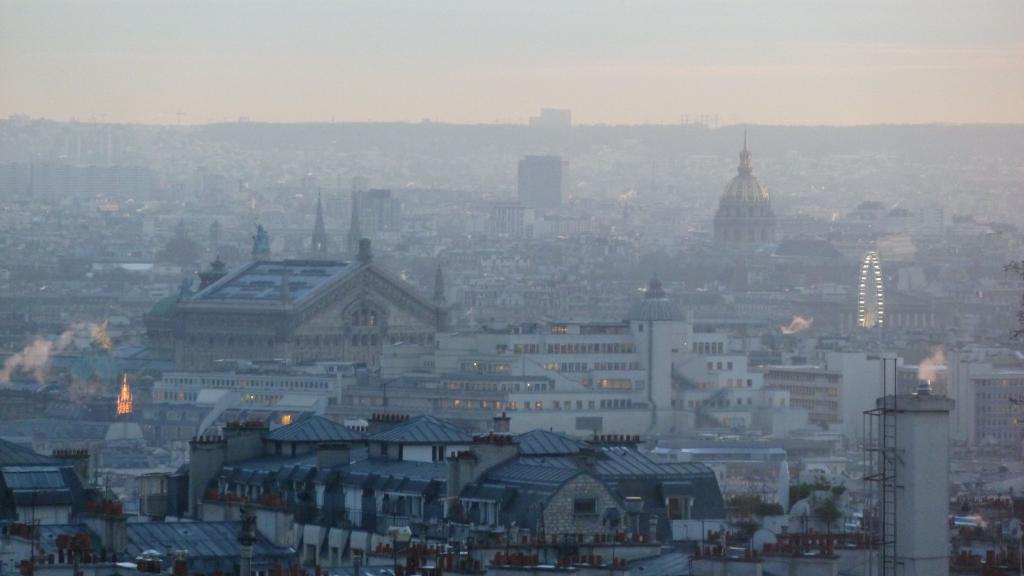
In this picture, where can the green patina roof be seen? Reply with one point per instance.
(96, 364)
(165, 306)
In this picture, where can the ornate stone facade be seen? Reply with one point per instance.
(300, 311)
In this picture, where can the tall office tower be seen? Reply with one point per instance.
(376, 211)
(541, 182)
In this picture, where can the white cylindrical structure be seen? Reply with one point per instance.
(922, 482)
(783, 488)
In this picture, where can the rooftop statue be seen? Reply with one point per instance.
(261, 243)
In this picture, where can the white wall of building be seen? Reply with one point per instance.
(861, 384)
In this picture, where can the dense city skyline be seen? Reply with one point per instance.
(511, 288)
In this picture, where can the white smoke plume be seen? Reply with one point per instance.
(927, 369)
(797, 325)
(35, 359)
(100, 336)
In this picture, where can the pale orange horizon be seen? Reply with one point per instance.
(793, 62)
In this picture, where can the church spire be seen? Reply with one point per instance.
(439, 298)
(745, 166)
(440, 302)
(319, 243)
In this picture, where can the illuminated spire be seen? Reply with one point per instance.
(124, 399)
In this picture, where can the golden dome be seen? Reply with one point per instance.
(745, 187)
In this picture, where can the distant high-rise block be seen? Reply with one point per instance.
(541, 182)
(508, 219)
(377, 210)
(14, 180)
(55, 180)
(552, 118)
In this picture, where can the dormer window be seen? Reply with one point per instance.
(584, 507)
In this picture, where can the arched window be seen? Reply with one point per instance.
(365, 318)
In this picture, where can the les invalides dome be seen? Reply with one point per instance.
(745, 218)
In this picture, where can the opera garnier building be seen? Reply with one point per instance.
(296, 311)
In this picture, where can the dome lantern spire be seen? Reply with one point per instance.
(745, 165)
(744, 218)
(655, 306)
(654, 288)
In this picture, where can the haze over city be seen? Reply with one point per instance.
(511, 288)
(837, 62)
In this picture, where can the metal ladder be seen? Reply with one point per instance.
(881, 458)
(889, 485)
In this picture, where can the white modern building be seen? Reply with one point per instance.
(573, 377)
(719, 389)
(267, 385)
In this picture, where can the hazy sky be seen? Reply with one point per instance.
(758, 61)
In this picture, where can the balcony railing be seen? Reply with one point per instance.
(387, 521)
